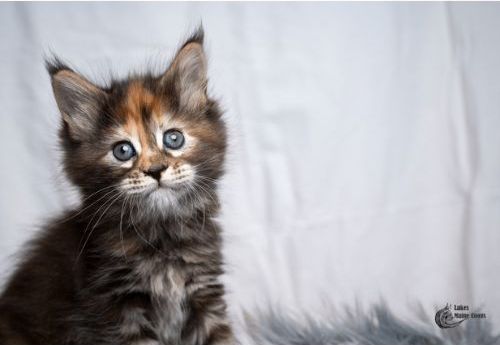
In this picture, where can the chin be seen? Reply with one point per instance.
(164, 201)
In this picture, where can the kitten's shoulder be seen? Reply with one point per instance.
(59, 239)
(42, 284)
(47, 257)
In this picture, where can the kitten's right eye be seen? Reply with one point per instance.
(123, 151)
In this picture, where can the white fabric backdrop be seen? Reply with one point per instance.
(365, 139)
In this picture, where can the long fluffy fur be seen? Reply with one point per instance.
(377, 326)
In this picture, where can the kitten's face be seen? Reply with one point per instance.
(156, 155)
(154, 151)
(157, 143)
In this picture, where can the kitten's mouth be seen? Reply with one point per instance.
(159, 186)
(162, 185)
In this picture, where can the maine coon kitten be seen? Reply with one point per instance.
(139, 262)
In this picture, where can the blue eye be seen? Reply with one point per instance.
(123, 151)
(173, 139)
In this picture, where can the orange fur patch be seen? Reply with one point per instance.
(138, 100)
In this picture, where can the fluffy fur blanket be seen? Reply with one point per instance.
(378, 326)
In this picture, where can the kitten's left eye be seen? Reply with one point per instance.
(173, 139)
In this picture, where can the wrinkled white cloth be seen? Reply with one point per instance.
(365, 139)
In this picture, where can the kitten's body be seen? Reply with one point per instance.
(139, 262)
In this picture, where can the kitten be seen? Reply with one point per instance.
(138, 263)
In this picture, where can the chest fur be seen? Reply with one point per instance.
(165, 282)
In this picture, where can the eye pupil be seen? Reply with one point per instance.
(173, 139)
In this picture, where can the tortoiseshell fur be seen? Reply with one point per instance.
(139, 262)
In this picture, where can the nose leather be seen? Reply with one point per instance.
(155, 171)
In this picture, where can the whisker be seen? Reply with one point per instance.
(91, 204)
(109, 202)
(206, 189)
(104, 204)
(121, 220)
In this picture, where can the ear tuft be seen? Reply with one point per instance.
(54, 64)
(197, 36)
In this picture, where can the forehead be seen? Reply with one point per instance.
(140, 108)
(143, 112)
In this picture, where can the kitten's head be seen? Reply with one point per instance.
(154, 141)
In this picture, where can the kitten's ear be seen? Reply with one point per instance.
(188, 73)
(78, 99)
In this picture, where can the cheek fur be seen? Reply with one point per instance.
(136, 182)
